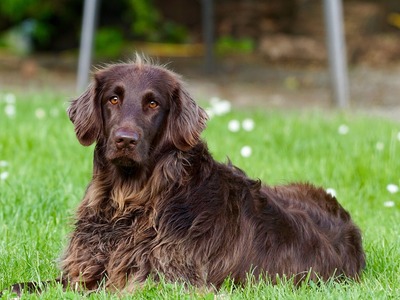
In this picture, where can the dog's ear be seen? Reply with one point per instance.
(186, 120)
(84, 112)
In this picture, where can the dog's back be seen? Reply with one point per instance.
(308, 230)
(225, 224)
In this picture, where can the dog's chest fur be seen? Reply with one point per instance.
(141, 242)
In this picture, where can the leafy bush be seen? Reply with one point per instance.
(108, 42)
(149, 25)
(230, 45)
(56, 25)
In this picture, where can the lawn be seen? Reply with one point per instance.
(44, 172)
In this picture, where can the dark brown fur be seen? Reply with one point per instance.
(165, 207)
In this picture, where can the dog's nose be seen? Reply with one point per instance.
(125, 138)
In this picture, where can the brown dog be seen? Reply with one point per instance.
(159, 204)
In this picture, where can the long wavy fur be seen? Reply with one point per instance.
(189, 218)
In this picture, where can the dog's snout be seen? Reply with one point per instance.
(125, 138)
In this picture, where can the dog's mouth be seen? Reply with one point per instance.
(124, 161)
(125, 158)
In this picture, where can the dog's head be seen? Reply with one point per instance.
(135, 108)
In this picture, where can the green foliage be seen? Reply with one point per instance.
(48, 171)
(108, 42)
(174, 33)
(16, 10)
(36, 12)
(56, 25)
(145, 18)
(229, 45)
(149, 25)
(42, 33)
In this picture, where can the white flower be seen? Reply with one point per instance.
(220, 107)
(10, 110)
(3, 176)
(209, 112)
(392, 188)
(214, 100)
(380, 146)
(40, 113)
(331, 192)
(343, 129)
(388, 204)
(3, 163)
(245, 151)
(234, 125)
(248, 124)
(9, 98)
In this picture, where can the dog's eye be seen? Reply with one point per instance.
(114, 100)
(153, 104)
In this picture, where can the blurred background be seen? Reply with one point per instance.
(267, 53)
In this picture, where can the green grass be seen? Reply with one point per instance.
(48, 171)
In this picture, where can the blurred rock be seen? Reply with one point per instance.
(288, 48)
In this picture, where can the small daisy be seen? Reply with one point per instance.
(209, 112)
(214, 100)
(10, 110)
(234, 125)
(343, 129)
(246, 151)
(40, 113)
(9, 98)
(388, 204)
(380, 146)
(248, 124)
(220, 107)
(331, 192)
(3, 176)
(392, 188)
